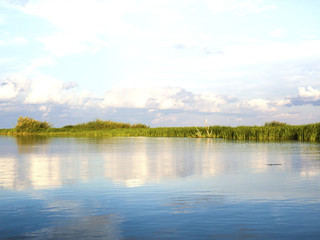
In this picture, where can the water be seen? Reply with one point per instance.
(158, 188)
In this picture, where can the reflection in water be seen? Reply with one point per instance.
(49, 163)
(90, 227)
(158, 188)
(8, 173)
(29, 144)
(37, 172)
(44, 171)
(188, 203)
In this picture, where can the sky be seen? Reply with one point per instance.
(160, 62)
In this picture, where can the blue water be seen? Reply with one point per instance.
(158, 188)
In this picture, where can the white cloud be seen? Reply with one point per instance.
(8, 91)
(45, 89)
(242, 7)
(164, 98)
(37, 63)
(46, 96)
(269, 52)
(19, 40)
(228, 62)
(258, 105)
(45, 109)
(278, 33)
(90, 25)
(306, 96)
(48, 90)
(309, 92)
(281, 102)
(9, 40)
(62, 43)
(12, 86)
(80, 25)
(87, 16)
(163, 118)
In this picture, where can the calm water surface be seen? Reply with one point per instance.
(158, 188)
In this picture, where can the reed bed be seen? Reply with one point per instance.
(306, 133)
(102, 124)
(273, 131)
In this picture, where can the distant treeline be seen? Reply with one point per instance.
(271, 131)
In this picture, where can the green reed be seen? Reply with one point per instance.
(102, 124)
(274, 131)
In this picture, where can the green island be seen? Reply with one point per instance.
(271, 131)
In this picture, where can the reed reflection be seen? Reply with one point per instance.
(30, 144)
(43, 163)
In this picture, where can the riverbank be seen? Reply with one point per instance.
(307, 132)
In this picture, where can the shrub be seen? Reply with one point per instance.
(275, 123)
(139, 125)
(26, 124)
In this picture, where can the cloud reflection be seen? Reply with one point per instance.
(188, 203)
(89, 227)
(134, 162)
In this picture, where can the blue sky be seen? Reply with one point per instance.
(160, 62)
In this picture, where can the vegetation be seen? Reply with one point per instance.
(272, 131)
(26, 124)
(100, 124)
(274, 124)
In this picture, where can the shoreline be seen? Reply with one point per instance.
(302, 133)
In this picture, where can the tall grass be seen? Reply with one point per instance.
(308, 132)
(273, 131)
(101, 124)
(275, 124)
